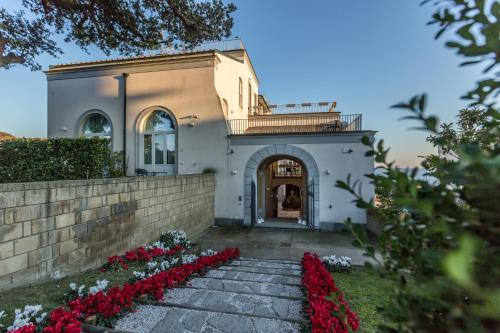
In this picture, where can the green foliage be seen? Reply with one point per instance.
(115, 165)
(29, 160)
(127, 26)
(445, 235)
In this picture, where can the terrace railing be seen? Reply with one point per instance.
(222, 45)
(326, 122)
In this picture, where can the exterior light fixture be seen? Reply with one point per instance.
(327, 172)
(234, 172)
(64, 129)
(347, 150)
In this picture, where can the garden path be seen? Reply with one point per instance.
(246, 295)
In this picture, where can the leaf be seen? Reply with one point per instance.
(422, 102)
(458, 263)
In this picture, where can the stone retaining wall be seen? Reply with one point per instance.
(71, 226)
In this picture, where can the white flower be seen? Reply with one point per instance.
(152, 264)
(208, 252)
(139, 275)
(81, 290)
(57, 275)
(188, 258)
(341, 263)
(30, 314)
(2, 315)
(72, 286)
(101, 285)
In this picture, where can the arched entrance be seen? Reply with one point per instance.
(308, 182)
(282, 190)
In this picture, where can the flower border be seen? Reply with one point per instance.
(326, 307)
(105, 307)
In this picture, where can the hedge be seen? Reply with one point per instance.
(30, 160)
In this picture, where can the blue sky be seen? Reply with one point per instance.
(366, 55)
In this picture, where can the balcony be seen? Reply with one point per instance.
(321, 122)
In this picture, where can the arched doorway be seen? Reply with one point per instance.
(157, 141)
(282, 190)
(254, 163)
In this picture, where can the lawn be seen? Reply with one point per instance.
(51, 294)
(364, 289)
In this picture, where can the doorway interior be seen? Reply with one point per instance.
(282, 192)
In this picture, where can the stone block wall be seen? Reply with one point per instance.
(72, 226)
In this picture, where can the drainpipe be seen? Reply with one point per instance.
(125, 75)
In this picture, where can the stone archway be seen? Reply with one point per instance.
(262, 154)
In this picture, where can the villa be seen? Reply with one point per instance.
(197, 111)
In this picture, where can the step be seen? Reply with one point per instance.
(249, 287)
(263, 270)
(265, 264)
(159, 319)
(256, 277)
(235, 303)
(284, 261)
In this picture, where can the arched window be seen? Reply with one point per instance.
(240, 92)
(158, 142)
(96, 125)
(250, 111)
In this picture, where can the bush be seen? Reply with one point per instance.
(30, 160)
(444, 236)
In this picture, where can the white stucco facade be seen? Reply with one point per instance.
(201, 91)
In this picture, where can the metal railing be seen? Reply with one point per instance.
(222, 45)
(289, 124)
(303, 108)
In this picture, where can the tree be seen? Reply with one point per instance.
(127, 26)
(6, 136)
(445, 251)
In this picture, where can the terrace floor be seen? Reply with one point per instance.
(283, 244)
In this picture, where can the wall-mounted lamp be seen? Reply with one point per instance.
(64, 129)
(347, 150)
(234, 172)
(327, 172)
(192, 118)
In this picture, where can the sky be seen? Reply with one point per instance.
(367, 55)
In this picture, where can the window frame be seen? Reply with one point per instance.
(84, 118)
(240, 92)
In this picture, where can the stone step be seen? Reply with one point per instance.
(248, 287)
(235, 303)
(160, 319)
(263, 270)
(255, 277)
(265, 264)
(283, 261)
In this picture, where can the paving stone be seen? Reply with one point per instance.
(223, 301)
(267, 264)
(265, 270)
(271, 260)
(246, 296)
(158, 319)
(234, 275)
(263, 288)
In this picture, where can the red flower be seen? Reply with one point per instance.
(327, 308)
(30, 328)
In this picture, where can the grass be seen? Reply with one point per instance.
(51, 294)
(364, 289)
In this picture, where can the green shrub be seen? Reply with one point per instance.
(445, 235)
(30, 160)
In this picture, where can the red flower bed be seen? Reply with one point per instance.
(327, 309)
(62, 321)
(139, 254)
(105, 307)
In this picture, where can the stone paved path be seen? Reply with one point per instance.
(247, 295)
